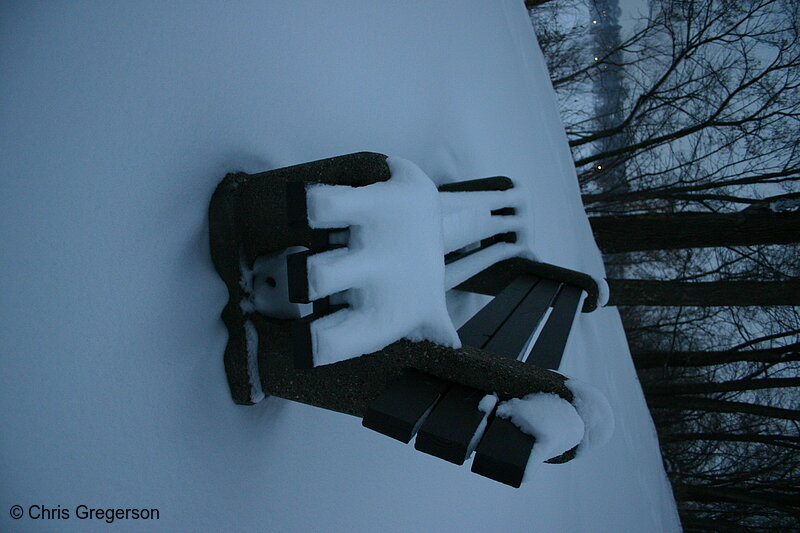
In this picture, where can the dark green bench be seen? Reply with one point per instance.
(445, 416)
(255, 215)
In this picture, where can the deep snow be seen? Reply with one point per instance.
(117, 120)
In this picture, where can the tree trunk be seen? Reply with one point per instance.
(695, 403)
(784, 441)
(672, 389)
(709, 293)
(629, 233)
(629, 197)
(700, 493)
(661, 359)
(693, 523)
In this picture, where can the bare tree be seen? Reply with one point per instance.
(709, 293)
(660, 359)
(689, 127)
(713, 107)
(628, 233)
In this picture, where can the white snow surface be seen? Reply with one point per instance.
(603, 292)
(392, 270)
(487, 403)
(117, 120)
(595, 411)
(587, 422)
(551, 419)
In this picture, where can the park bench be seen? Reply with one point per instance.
(261, 243)
(446, 417)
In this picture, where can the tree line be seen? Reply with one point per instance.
(691, 184)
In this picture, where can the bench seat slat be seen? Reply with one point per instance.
(386, 412)
(484, 325)
(448, 430)
(502, 454)
(398, 411)
(450, 427)
(517, 330)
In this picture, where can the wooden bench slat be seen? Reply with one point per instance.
(476, 332)
(297, 276)
(484, 325)
(302, 352)
(451, 425)
(503, 452)
(494, 183)
(549, 347)
(398, 412)
(448, 430)
(517, 330)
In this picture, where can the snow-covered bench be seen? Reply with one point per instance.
(310, 318)
(449, 419)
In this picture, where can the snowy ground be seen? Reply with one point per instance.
(116, 122)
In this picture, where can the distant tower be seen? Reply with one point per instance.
(609, 90)
(609, 96)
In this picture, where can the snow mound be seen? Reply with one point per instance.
(603, 292)
(392, 272)
(487, 403)
(595, 411)
(551, 419)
